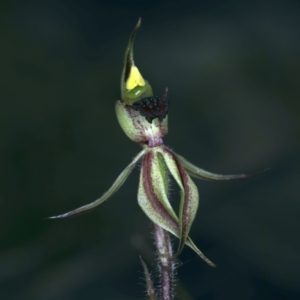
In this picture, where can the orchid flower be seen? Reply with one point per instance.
(144, 119)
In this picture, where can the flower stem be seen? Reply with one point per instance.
(165, 264)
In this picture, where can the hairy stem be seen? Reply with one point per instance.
(165, 264)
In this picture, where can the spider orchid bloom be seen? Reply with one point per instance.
(144, 119)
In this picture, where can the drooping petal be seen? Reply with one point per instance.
(154, 201)
(116, 185)
(191, 244)
(202, 174)
(189, 195)
(152, 194)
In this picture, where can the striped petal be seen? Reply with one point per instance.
(152, 193)
(153, 198)
(116, 185)
(189, 196)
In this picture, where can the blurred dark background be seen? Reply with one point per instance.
(233, 71)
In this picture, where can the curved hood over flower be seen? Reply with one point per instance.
(144, 119)
(142, 116)
(133, 86)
